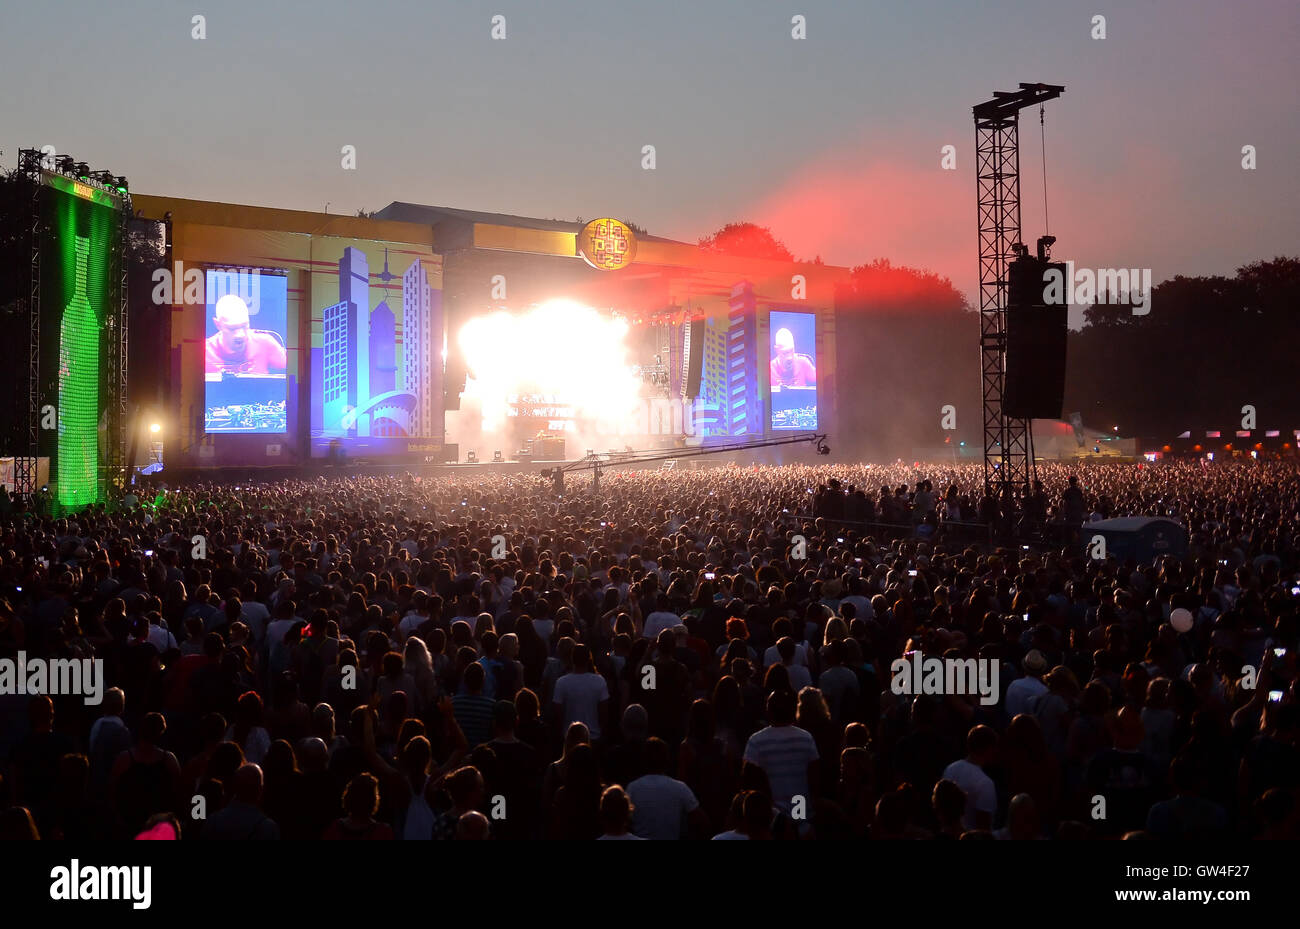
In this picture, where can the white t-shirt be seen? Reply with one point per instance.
(800, 677)
(784, 753)
(981, 795)
(772, 656)
(661, 804)
(254, 615)
(862, 604)
(410, 622)
(658, 621)
(579, 697)
(161, 639)
(1022, 694)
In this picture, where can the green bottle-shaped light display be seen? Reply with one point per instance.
(78, 391)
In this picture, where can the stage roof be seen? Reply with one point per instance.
(302, 222)
(402, 211)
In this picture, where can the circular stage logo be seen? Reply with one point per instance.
(607, 244)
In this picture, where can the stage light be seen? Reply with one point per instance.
(531, 353)
(155, 428)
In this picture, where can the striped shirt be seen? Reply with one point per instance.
(473, 714)
(784, 753)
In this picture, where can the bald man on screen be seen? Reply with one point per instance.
(788, 368)
(237, 349)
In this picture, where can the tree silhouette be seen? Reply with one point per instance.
(1206, 347)
(906, 346)
(746, 240)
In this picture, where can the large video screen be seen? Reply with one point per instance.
(377, 348)
(245, 356)
(793, 369)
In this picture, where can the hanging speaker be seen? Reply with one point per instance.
(1034, 386)
(695, 360)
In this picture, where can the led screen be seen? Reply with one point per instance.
(245, 356)
(377, 348)
(792, 370)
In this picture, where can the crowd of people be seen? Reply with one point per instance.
(682, 654)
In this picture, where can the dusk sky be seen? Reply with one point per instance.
(833, 141)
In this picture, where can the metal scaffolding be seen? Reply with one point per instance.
(115, 464)
(27, 448)
(1008, 441)
(36, 168)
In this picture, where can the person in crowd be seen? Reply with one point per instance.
(360, 803)
(616, 813)
(242, 818)
(663, 807)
